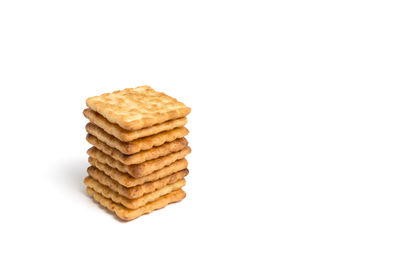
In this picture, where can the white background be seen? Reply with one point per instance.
(294, 130)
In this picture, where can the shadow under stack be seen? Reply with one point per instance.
(137, 160)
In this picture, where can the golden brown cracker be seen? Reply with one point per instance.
(132, 203)
(142, 169)
(127, 136)
(136, 191)
(132, 147)
(141, 156)
(130, 214)
(128, 181)
(137, 108)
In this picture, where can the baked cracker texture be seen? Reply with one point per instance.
(126, 135)
(132, 203)
(142, 156)
(130, 214)
(137, 108)
(142, 169)
(135, 146)
(128, 181)
(136, 191)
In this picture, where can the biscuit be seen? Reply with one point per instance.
(137, 108)
(136, 191)
(127, 136)
(141, 156)
(137, 145)
(128, 181)
(132, 203)
(130, 214)
(142, 169)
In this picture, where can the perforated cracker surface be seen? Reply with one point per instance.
(137, 108)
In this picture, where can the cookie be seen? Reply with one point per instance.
(137, 108)
(142, 169)
(132, 203)
(138, 190)
(142, 156)
(128, 181)
(126, 135)
(135, 146)
(130, 214)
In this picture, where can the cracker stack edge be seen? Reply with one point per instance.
(138, 162)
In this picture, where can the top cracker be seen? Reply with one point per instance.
(137, 108)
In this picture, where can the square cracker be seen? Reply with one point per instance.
(136, 191)
(132, 203)
(135, 146)
(130, 214)
(137, 108)
(125, 135)
(142, 169)
(153, 153)
(128, 181)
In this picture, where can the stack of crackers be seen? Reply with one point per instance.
(139, 147)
